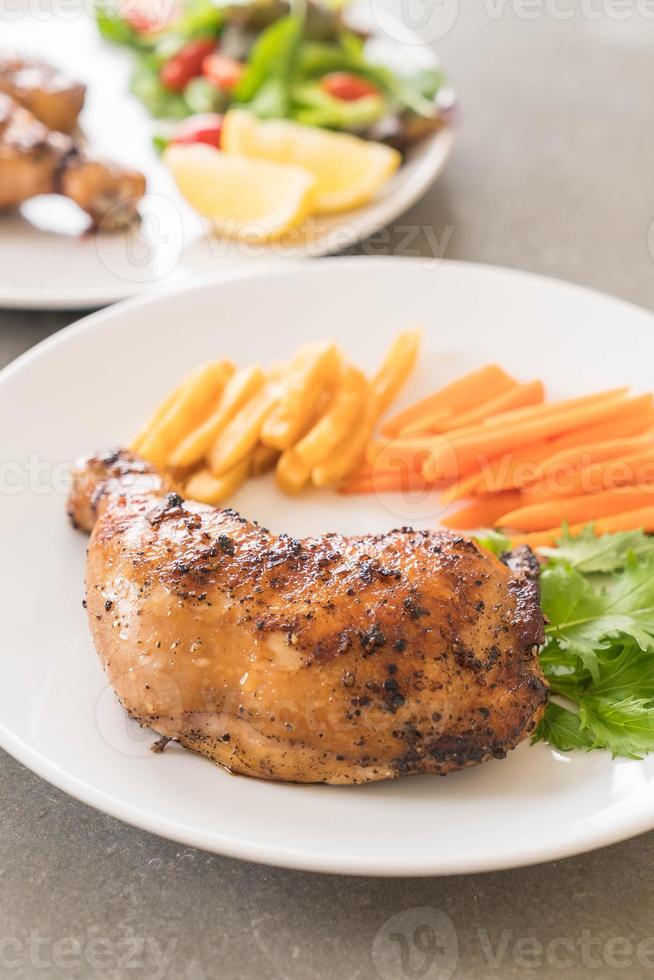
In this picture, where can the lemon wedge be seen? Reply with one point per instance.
(349, 171)
(245, 198)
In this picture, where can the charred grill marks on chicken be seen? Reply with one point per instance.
(328, 659)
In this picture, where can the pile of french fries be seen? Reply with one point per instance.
(309, 419)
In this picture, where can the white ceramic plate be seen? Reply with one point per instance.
(47, 262)
(91, 385)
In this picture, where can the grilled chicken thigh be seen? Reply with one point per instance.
(53, 99)
(35, 160)
(330, 659)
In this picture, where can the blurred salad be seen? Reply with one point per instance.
(292, 59)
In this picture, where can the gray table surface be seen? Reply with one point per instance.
(553, 173)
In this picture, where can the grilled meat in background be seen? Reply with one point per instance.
(35, 160)
(55, 100)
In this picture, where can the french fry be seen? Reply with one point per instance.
(198, 395)
(396, 367)
(337, 421)
(241, 435)
(159, 413)
(210, 489)
(349, 453)
(264, 459)
(240, 387)
(313, 367)
(292, 472)
(386, 383)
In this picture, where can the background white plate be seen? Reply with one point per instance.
(90, 386)
(46, 262)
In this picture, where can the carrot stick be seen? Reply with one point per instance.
(635, 415)
(407, 455)
(396, 471)
(483, 512)
(431, 422)
(523, 395)
(366, 469)
(569, 481)
(626, 419)
(373, 449)
(641, 519)
(514, 469)
(388, 481)
(443, 421)
(458, 396)
(598, 452)
(462, 453)
(520, 396)
(500, 473)
(555, 408)
(540, 517)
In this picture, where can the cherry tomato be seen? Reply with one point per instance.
(186, 64)
(349, 88)
(223, 72)
(206, 127)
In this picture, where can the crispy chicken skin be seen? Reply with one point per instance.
(34, 160)
(53, 99)
(331, 659)
(29, 155)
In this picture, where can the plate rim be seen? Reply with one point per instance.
(265, 853)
